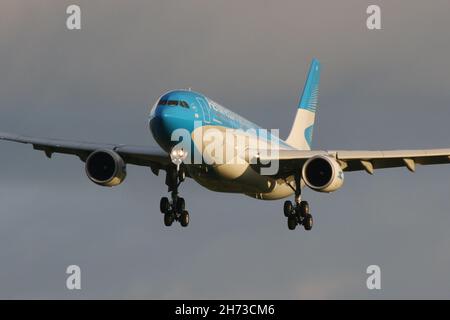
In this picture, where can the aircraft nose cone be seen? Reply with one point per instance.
(158, 123)
(161, 126)
(166, 113)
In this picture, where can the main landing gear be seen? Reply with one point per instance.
(298, 213)
(174, 209)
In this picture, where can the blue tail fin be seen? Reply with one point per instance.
(311, 89)
(300, 136)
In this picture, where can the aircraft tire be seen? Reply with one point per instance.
(292, 222)
(308, 222)
(288, 208)
(168, 219)
(164, 205)
(304, 208)
(184, 218)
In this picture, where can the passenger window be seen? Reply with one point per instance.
(184, 104)
(162, 102)
(172, 103)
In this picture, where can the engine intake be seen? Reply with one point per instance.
(323, 174)
(106, 168)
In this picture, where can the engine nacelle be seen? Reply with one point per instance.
(323, 174)
(106, 168)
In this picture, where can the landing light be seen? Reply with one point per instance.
(178, 156)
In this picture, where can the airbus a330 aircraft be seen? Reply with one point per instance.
(298, 165)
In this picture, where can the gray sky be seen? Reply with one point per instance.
(380, 89)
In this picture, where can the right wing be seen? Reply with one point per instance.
(290, 161)
(371, 160)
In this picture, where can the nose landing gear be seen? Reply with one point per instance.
(174, 209)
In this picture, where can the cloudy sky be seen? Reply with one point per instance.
(381, 89)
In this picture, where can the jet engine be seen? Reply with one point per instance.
(323, 174)
(106, 168)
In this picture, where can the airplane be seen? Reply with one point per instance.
(298, 165)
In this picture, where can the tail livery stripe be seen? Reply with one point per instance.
(311, 90)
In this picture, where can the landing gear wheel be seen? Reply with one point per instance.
(180, 205)
(292, 222)
(168, 219)
(184, 218)
(308, 222)
(304, 208)
(288, 208)
(164, 205)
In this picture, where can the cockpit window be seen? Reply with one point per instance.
(164, 102)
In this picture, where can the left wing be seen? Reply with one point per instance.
(154, 158)
(292, 160)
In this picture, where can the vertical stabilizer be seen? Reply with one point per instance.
(300, 136)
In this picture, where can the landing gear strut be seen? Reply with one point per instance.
(298, 213)
(174, 209)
